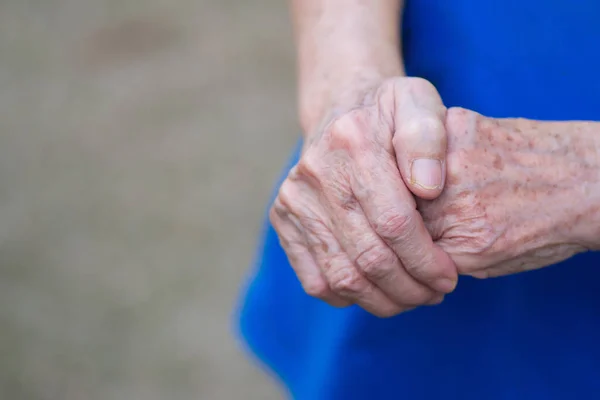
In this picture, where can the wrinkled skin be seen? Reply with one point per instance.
(346, 216)
(517, 193)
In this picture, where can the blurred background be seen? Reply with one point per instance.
(139, 143)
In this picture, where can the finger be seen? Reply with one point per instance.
(419, 136)
(436, 300)
(372, 256)
(391, 211)
(347, 282)
(292, 241)
(342, 277)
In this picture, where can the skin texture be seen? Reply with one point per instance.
(356, 109)
(519, 194)
(394, 195)
(345, 49)
(346, 218)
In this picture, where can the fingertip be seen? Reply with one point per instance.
(425, 193)
(445, 285)
(436, 300)
(447, 274)
(387, 312)
(338, 302)
(319, 288)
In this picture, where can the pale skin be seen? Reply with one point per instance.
(394, 196)
(520, 194)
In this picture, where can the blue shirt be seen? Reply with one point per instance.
(534, 335)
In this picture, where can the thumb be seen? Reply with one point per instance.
(420, 137)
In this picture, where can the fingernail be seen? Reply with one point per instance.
(427, 173)
(445, 285)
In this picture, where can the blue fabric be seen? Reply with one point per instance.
(527, 336)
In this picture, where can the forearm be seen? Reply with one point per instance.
(344, 48)
(585, 148)
(573, 150)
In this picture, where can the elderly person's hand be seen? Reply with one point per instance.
(346, 215)
(519, 194)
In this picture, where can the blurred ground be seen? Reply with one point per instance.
(138, 144)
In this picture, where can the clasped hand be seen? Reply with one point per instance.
(393, 199)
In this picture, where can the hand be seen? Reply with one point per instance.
(345, 215)
(514, 194)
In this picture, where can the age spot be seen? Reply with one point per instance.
(498, 163)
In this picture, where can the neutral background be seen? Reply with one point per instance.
(139, 140)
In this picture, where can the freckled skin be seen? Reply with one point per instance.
(345, 214)
(511, 186)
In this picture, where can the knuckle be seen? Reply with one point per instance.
(309, 166)
(418, 128)
(287, 199)
(293, 206)
(277, 209)
(420, 86)
(346, 132)
(286, 192)
(347, 282)
(459, 120)
(393, 226)
(375, 262)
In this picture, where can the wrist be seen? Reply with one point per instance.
(345, 48)
(585, 229)
(567, 155)
(321, 99)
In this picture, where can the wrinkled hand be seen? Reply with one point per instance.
(346, 216)
(510, 199)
